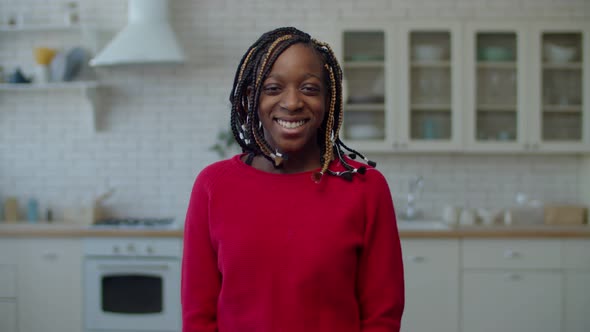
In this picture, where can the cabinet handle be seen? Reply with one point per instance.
(509, 254)
(416, 259)
(512, 276)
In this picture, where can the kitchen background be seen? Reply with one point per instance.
(158, 121)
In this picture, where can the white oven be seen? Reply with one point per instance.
(132, 284)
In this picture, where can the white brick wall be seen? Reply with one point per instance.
(160, 120)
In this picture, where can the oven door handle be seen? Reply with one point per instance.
(154, 267)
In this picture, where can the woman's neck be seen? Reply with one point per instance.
(294, 164)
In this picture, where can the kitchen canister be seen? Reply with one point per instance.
(11, 209)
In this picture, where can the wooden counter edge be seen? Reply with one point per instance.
(470, 232)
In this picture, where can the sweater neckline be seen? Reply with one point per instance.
(237, 159)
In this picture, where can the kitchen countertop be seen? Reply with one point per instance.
(406, 230)
(58, 229)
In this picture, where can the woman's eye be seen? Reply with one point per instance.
(271, 89)
(310, 89)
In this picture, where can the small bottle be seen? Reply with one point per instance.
(32, 210)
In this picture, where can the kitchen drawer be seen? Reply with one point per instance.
(7, 281)
(432, 253)
(7, 316)
(576, 254)
(519, 253)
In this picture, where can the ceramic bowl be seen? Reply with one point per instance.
(428, 52)
(559, 54)
(364, 131)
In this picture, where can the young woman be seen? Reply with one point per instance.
(291, 235)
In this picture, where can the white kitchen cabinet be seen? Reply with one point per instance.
(8, 284)
(429, 104)
(577, 301)
(7, 294)
(495, 98)
(511, 285)
(50, 285)
(431, 269)
(560, 107)
(7, 316)
(367, 54)
(576, 262)
(472, 86)
(511, 300)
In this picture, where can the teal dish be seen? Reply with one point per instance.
(365, 57)
(494, 53)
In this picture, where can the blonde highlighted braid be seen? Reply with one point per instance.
(253, 69)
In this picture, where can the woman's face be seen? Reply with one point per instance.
(293, 101)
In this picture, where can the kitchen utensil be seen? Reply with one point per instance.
(565, 214)
(559, 54)
(425, 52)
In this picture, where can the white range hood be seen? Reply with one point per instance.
(147, 38)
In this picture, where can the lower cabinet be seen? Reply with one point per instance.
(50, 285)
(576, 261)
(511, 285)
(7, 316)
(431, 270)
(577, 301)
(8, 284)
(523, 301)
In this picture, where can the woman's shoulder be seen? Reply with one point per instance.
(221, 168)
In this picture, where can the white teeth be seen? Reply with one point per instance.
(290, 124)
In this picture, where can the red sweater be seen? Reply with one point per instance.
(277, 252)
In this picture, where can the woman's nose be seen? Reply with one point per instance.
(291, 100)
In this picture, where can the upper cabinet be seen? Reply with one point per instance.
(429, 103)
(367, 63)
(495, 86)
(495, 83)
(561, 87)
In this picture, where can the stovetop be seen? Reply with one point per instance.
(156, 223)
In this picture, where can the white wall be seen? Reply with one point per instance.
(160, 120)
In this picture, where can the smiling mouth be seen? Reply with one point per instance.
(290, 124)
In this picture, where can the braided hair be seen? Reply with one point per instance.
(254, 68)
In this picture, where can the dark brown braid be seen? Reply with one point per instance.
(254, 68)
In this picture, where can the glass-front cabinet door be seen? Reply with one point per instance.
(561, 88)
(496, 116)
(366, 63)
(430, 76)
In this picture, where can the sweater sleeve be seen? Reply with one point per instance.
(380, 280)
(201, 279)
